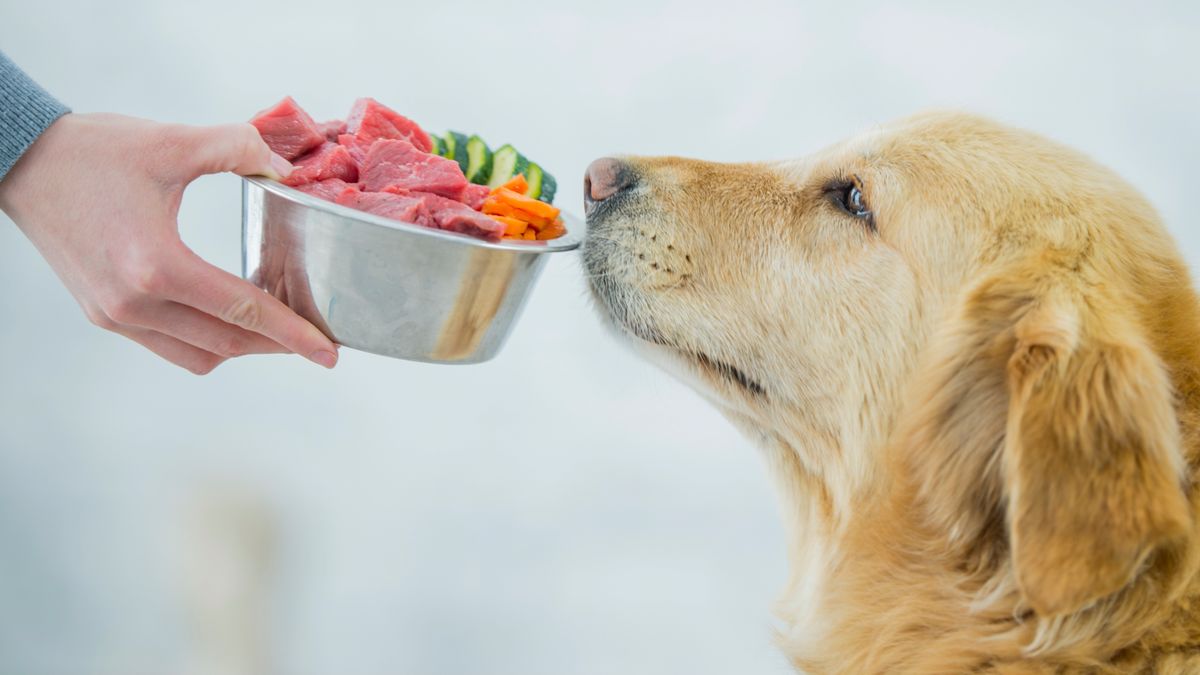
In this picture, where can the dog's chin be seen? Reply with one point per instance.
(647, 338)
(621, 320)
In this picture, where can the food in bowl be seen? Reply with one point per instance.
(381, 162)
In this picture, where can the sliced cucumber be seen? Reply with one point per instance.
(549, 187)
(456, 148)
(533, 176)
(506, 163)
(479, 161)
(439, 146)
(541, 184)
(450, 144)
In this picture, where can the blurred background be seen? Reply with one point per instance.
(562, 509)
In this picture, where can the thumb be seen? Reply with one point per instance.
(237, 148)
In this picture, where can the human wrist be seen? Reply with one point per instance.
(11, 182)
(26, 111)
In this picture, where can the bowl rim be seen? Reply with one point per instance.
(576, 229)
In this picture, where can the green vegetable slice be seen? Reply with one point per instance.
(448, 143)
(533, 176)
(506, 163)
(549, 187)
(479, 161)
(458, 148)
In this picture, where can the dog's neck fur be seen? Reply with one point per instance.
(821, 468)
(815, 518)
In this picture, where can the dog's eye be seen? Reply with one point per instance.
(848, 196)
(855, 204)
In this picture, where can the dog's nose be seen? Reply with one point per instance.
(605, 177)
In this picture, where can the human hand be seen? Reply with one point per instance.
(99, 194)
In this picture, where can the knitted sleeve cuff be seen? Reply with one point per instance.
(26, 110)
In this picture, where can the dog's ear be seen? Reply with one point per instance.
(1046, 415)
(1092, 460)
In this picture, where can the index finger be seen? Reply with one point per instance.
(214, 291)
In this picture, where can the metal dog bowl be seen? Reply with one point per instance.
(387, 287)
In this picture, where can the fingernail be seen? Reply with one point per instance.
(281, 165)
(323, 358)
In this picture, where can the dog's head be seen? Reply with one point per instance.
(985, 315)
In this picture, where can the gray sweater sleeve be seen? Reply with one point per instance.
(26, 110)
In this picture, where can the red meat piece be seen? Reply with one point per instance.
(405, 208)
(358, 148)
(328, 161)
(473, 195)
(330, 188)
(425, 209)
(370, 120)
(287, 129)
(458, 217)
(397, 166)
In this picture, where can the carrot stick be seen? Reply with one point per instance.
(554, 231)
(512, 225)
(496, 208)
(516, 184)
(536, 221)
(524, 203)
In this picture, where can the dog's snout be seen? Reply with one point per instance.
(604, 178)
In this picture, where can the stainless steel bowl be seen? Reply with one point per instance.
(388, 287)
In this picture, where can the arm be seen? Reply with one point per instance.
(98, 195)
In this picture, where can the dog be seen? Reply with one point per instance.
(971, 358)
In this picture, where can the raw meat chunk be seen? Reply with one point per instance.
(405, 208)
(287, 129)
(358, 148)
(458, 217)
(370, 120)
(330, 188)
(393, 165)
(473, 195)
(328, 161)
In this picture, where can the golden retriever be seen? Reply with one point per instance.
(972, 359)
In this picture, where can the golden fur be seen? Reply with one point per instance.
(983, 415)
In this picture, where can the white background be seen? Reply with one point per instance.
(565, 508)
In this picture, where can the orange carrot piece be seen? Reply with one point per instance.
(534, 206)
(516, 184)
(495, 208)
(512, 225)
(556, 230)
(536, 221)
